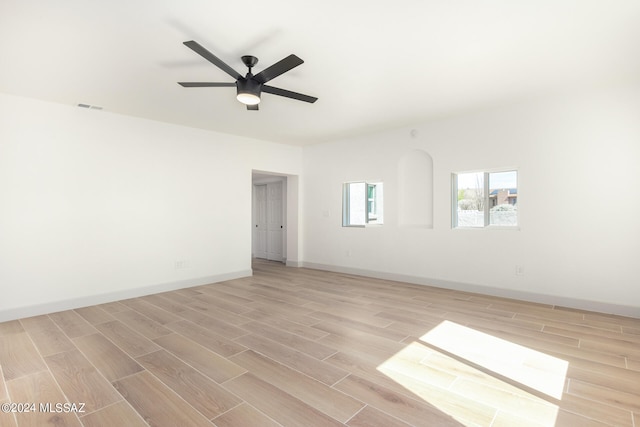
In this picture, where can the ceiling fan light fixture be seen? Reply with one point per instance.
(248, 98)
(248, 91)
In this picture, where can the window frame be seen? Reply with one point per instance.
(486, 200)
(369, 218)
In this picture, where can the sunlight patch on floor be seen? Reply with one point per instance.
(531, 368)
(468, 391)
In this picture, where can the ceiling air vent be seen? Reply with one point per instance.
(91, 107)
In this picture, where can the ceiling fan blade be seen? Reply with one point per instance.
(252, 107)
(212, 58)
(288, 94)
(278, 68)
(205, 84)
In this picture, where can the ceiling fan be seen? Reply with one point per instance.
(250, 87)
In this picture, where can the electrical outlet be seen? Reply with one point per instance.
(181, 264)
(519, 270)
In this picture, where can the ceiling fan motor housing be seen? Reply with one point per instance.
(248, 90)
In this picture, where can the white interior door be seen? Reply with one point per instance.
(275, 221)
(260, 229)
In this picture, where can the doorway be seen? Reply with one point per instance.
(269, 217)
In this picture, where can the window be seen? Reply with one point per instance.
(484, 199)
(362, 204)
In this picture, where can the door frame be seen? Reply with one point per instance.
(290, 209)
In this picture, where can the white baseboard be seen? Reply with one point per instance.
(559, 301)
(69, 304)
(289, 263)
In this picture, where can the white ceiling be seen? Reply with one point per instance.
(372, 64)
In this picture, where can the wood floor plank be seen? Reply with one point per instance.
(141, 324)
(597, 410)
(220, 327)
(261, 311)
(525, 334)
(421, 320)
(371, 417)
(126, 338)
(364, 367)
(322, 397)
(288, 324)
(94, 314)
(566, 418)
(399, 302)
(118, 414)
(204, 360)
(39, 388)
(244, 415)
(177, 297)
(617, 346)
(507, 419)
(412, 411)
(187, 292)
(112, 362)
(157, 404)
(526, 314)
(580, 331)
(474, 399)
(46, 335)
(294, 359)
(312, 348)
(274, 306)
(19, 357)
(277, 404)
(10, 327)
(207, 338)
(332, 294)
(221, 304)
(628, 384)
(80, 380)
(507, 399)
(151, 311)
(202, 393)
(278, 295)
(414, 361)
(612, 320)
(3, 388)
(364, 319)
(216, 313)
(216, 292)
(373, 349)
(380, 331)
(543, 313)
(610, 396)
(567, 352)
(166, 304)
(72, 323)
(238, 288)
(113, 307)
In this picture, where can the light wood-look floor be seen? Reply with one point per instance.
(299, 347)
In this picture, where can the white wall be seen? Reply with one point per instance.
(579, 178)
(96, 206)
